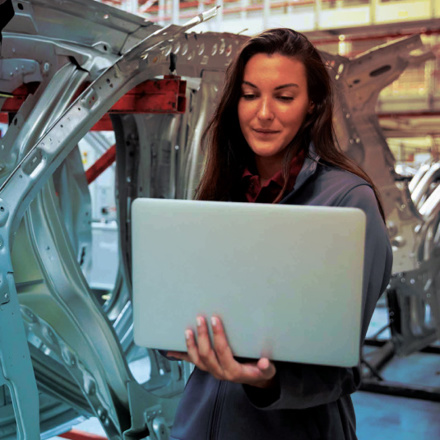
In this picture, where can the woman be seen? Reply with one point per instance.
(271, 140)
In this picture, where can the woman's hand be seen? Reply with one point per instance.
(217, 359)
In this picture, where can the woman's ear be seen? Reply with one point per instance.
(311, 107)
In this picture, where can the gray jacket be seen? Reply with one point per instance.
(312, 402)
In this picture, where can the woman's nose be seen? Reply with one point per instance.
(265, 112)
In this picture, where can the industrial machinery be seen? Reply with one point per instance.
(71, 65)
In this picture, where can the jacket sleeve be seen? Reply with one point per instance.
(299, 386)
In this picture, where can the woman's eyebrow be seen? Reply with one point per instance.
(250, 84)
(283, 86)
(286, 85)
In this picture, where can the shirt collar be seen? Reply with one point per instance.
(308, 168)
(277, 177)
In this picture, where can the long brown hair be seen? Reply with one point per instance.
(227, 152)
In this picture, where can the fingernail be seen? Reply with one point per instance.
(187, 334)
(199, 321)
(214, 321)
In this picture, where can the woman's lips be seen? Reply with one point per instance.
(264, 132)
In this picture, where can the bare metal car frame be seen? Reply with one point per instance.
(53, 331)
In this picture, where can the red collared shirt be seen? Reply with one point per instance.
(268, 192)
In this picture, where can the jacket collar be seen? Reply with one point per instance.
(308, 170)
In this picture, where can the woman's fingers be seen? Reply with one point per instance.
(267, 368)
(260, 374)
(178, 355)
(192, 350)
(218, 359)
(206, 351)
(230, 367)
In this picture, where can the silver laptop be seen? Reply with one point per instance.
(286, 280)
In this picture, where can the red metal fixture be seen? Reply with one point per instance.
(167, 95)
(101, 164)
(74, 434)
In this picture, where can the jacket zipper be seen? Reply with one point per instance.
(218, 404)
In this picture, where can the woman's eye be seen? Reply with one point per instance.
(285, 98)
(248, 96)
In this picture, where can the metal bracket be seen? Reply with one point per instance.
(160, 428)
(16, 366)
(156, 423)
(4, 296)
(4, 291)
(4, 213)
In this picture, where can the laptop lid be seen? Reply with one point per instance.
(286, 280)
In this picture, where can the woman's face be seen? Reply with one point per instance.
(273, 104)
